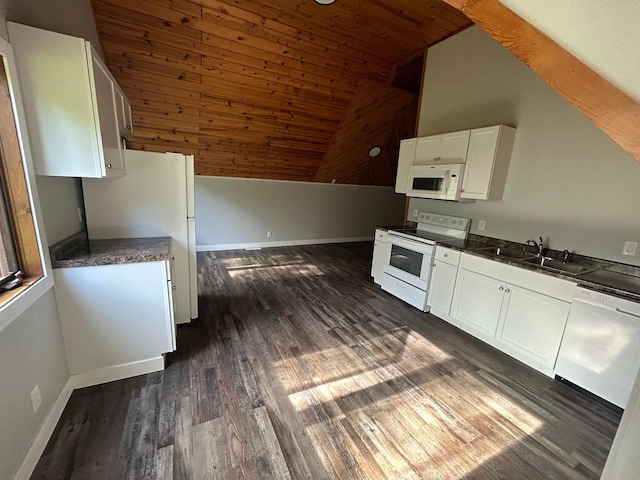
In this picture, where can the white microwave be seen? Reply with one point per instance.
(439, 182)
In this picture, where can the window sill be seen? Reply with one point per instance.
(14, 302)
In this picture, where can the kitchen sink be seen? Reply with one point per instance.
(504, 252)
(569, 268)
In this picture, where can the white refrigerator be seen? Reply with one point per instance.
(155, 198)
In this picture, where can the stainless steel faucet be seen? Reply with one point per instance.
(538, 246)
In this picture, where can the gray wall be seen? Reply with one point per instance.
(236, 211)
(31, 353)
(31, 347)
(567, 182)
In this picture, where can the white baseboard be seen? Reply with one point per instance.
(117, 372)
(32, 457)
(282, 243)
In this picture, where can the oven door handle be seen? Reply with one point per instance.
(419, 247)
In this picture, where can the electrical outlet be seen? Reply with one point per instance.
(482, 224)
(630, 248)
(36, 399)
(269, 234)
(415, 212)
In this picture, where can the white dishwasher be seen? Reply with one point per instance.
(600, 349)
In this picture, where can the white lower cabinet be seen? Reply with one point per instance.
(477, 302)
(520, 312)
(379, 254)
(117, 320)
(532, 325)
(443, 280)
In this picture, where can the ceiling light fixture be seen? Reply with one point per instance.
(374, 151)
(324, 2)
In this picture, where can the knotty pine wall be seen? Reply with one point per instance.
(378, 115)
(258, 89)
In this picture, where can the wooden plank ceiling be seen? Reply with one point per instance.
(260, 88)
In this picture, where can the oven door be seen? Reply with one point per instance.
(409, 261)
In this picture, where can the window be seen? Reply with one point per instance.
(19, 251)
(8, 260)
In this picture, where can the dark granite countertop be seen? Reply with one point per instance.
(114, 251)
(607, 277)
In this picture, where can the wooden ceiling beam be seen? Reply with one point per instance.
(612, 110)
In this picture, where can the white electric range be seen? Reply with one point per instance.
(409, 255)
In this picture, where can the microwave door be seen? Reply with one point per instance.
(432, 184)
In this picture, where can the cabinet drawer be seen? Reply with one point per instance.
(447, 255)
(381, 235)
(535, 281)
(410, 294)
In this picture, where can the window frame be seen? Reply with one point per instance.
(23, 202)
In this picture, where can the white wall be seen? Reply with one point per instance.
(567, 182)
(604, 34)
(31, 346)
(238, 212)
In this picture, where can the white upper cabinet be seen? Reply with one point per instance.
(123, 111)
(70, 104)
(487, 163)
(444, 148)
(406, 155)
(486, 153)
(107, 126)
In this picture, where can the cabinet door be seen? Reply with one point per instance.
(532, 324)
(123, 110)
(54, 72)
(406, 156)
(477, 301)
(443, 281)
(170, 303)
(379, 252)
(480, 162)
(427, 150)
(108, 121)
(114, 314)
(453, 147)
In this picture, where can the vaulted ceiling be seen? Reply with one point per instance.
(280, 89)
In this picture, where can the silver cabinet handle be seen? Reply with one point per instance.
(446, 255)
(173, 287)
(507, 291)
(108, 165)
(501, 289)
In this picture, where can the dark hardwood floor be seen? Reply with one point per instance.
(300, 367)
